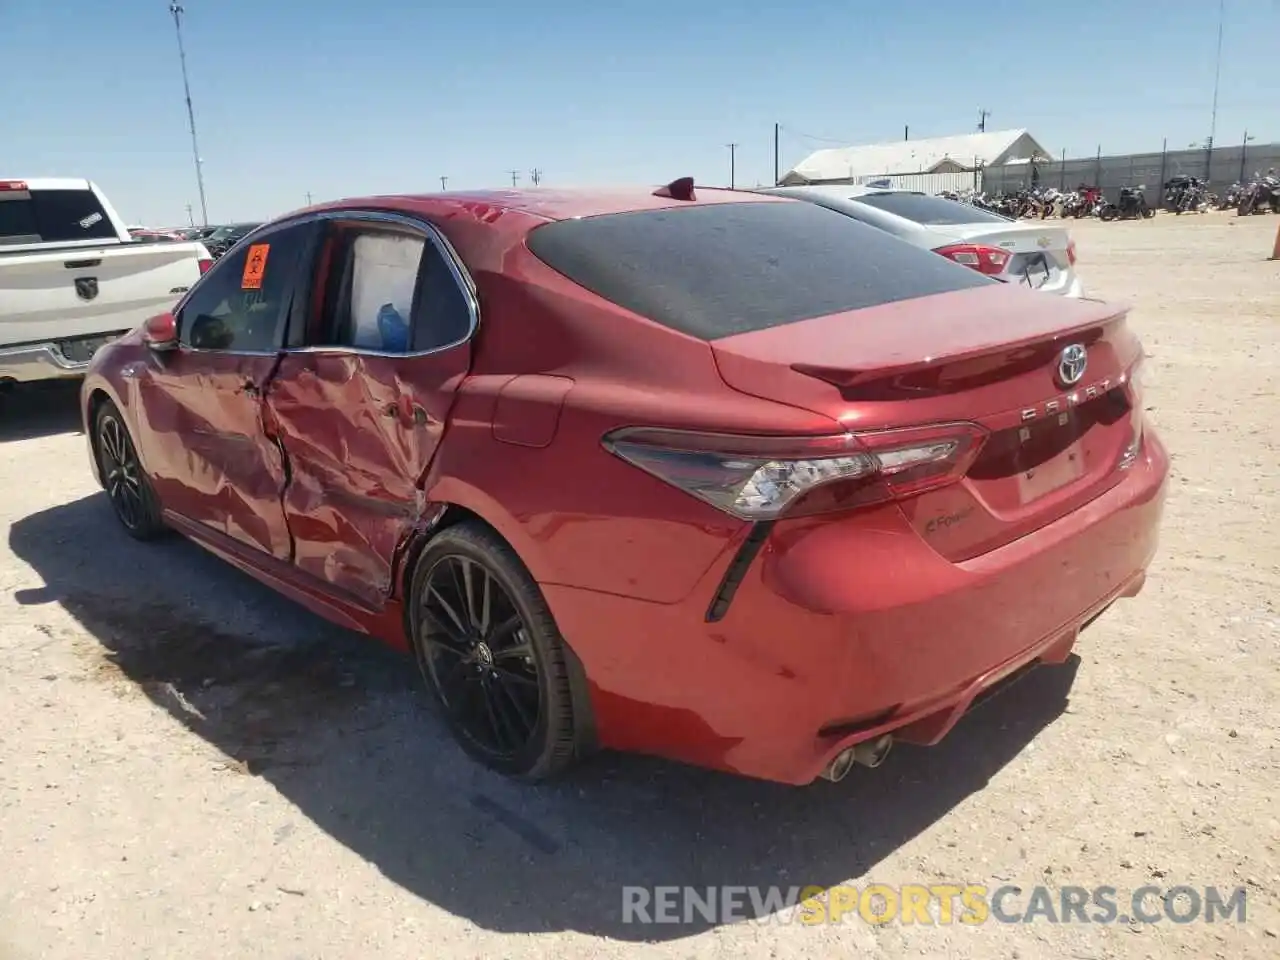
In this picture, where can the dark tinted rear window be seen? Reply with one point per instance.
(54, 216)
(716, 270)
(932, 211)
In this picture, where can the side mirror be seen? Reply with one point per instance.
(160, 333)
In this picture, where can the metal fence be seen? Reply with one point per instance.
(1228, 164)
(928, 182)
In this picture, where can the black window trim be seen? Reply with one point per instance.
(298, 281)
(447, 253)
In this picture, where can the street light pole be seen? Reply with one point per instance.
(1213, 116)
(1244, 150)
(177, 10)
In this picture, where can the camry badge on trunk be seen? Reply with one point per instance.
(1044, 242)
(86, 287)
(1071, 365)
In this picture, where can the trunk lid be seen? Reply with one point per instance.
(52, 295)
(990, 356)
(1039, 251)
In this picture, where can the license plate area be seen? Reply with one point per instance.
(1033, 270)
(1022, 464)
(82, 349)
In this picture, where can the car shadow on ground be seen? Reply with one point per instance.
(338, 725)
(39, 410)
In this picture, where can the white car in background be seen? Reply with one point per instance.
(1039, 255)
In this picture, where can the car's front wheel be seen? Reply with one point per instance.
(492, 655)
(127, 486)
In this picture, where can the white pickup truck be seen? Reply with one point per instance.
(72, 278)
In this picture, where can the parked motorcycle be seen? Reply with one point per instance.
(1231, 198)
(1260, 195)
(1084, 201)
(1131, 205)
(1185, 194)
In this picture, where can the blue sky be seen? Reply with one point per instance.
(347, 98)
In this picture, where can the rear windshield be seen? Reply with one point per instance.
(53, 216)
(715, 270)
(932, 211)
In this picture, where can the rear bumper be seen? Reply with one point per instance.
(40, 361)
(841, 631)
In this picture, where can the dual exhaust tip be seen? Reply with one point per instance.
(869, 753)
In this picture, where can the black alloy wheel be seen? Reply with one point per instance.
(491, 653)
(123, 478)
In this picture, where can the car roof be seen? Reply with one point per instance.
(555, 203)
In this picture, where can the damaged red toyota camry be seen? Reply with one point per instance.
(730, 479)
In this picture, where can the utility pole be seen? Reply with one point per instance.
(777, 174)
(906, 133)
(536, 176)
(1213, 116)
(733, 164)
(515, 176)
(1244, 149)
(982, 120)
(308, 198)
(444, 184)
(176, 9)
(192, 220)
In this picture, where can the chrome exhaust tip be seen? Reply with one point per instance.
(871, 753)
(840, 766)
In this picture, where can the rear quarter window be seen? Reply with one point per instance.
(54, 216)
(716, 270)
(930, 211)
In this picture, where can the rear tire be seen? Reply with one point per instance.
(492, 655)
(128, 487)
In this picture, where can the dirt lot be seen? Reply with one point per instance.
(191, 766)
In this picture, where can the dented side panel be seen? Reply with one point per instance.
(359, 432)
(205, 447)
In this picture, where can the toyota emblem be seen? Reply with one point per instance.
(1071, 364)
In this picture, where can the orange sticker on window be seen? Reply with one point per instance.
(255, 267)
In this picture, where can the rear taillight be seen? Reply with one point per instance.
(205, 264)
(1071, 252)
(760, 478)
(988, 260)
(15, 186)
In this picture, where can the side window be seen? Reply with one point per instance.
(239, 305)
(441, 315)
(389, 291)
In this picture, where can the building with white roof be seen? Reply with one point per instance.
(937, 155)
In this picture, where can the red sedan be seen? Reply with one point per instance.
(731, 479)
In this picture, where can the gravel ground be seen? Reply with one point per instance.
(191, 766)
